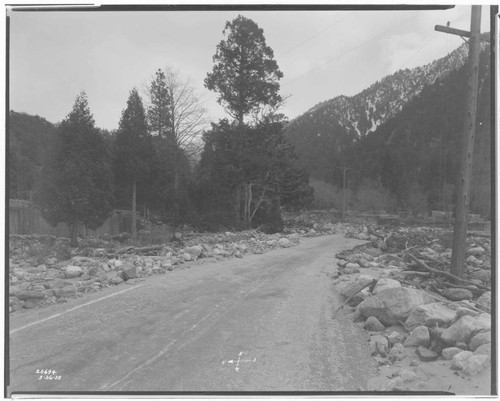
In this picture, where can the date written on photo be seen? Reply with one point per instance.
(47, 374)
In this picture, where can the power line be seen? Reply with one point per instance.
(349, 51)
(316, 34)
(426, 43)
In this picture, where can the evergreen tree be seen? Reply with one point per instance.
(245, 74)
(76, 182)
(160, 108)
(133, 150)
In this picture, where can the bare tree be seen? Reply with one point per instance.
(188, 120)
(188, 115)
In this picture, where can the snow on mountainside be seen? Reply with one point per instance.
(363, 113)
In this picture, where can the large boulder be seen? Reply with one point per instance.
(379, 345)
(384, 284)
(459, 361)
(356, 286)
(372, 324)
(393, 305)
(484, 302)
(425, 354)
(449, 353)
(194, 251)
(72, 271)
(419, 336)
(397, 353)
(476, 363)
(284, 243)
(464, 328)
(129, 272)
(484, 337)
(429, 315)
(457, 294)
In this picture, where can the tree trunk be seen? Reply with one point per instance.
(236, 206)
(133, 227)
(73, 233)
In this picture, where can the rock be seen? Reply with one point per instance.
(425, 354)
(450, 352)
(350, 270)
(129, 272)
(419, 336)
(479, 339)
(187, 257)
(478, 250)
(476, 363)
(30, 295)
(341, 263)
(72, 271)
(353, 266)
(397, 353)
(484, 302)
(66, 292)
(284, 243)
(372, 324)
(195, 251)
(460, 312)
(459, 361)
(482, 322)
(379, 345)
(115, 280)
(457, 294)
(356, 286)
(375, 252)
(429, 315)
(395, 338)
(482, 274)
(460, 331)
(99, 253)
(484, 349)
(384, 284)
(393, 305)
(461, 345)
(363, 263)
(382, 245)
(238, 254)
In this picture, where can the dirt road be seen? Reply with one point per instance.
(262, 323)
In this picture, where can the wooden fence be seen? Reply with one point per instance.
(25, 218)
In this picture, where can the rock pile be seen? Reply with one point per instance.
(414, 312)
(43, 270)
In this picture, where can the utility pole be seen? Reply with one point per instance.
(344, 168)
(465, 174)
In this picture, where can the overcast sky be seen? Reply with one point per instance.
(323, 54)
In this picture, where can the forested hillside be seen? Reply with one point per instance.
(411, 156)
(30, 137)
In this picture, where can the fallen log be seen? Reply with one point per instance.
(371, 284)
(479, 234)
(133, 249)
(414, 273)
(449, 275)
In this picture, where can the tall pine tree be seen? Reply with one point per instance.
(133, 150)
(77, 181)
(160, 108)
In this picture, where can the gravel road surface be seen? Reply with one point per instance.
(261, 323)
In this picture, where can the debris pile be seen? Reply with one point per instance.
(44, 270)
(400, 289)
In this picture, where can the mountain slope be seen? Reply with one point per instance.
(363, 113)
(402, 135)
